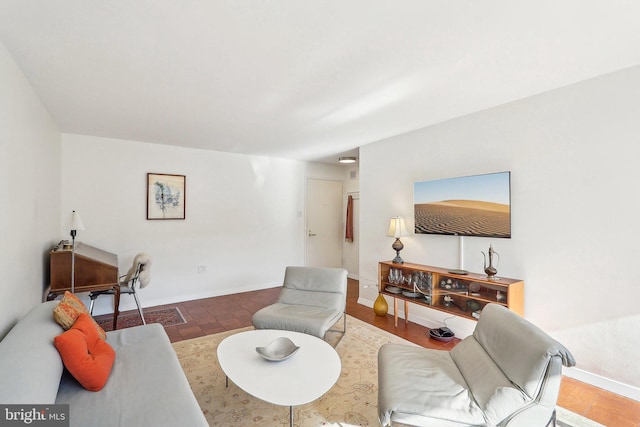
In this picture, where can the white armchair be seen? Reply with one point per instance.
(507, 373)
(312, 300)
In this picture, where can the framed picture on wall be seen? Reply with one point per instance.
(166, 196)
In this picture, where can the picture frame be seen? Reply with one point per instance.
(475, 205)
(166, 196)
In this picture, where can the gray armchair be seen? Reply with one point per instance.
(312, 300)
(507, 373)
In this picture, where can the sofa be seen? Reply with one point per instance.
(145, 387)
(507, 373)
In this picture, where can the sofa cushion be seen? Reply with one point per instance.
(68, 310)
(418, 385)
(30, 365)
(491, 389)
(292, 317)
(147, 386)
(85, 355)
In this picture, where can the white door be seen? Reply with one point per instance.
(324, 223)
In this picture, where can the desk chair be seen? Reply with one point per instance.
(139, 272)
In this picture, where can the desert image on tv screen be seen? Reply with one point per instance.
(476, 205)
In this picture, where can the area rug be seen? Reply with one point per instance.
(352, 401)
(165, 316)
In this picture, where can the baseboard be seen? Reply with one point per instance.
(365, 302)
(596, 380)
(420, 320)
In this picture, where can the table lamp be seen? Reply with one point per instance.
(397, 230)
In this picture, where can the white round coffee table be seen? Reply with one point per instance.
(301, 379)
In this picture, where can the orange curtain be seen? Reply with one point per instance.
(348, 234)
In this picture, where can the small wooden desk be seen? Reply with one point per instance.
(95, 270)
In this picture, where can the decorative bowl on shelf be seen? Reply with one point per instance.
(411, 294)
(278, 350)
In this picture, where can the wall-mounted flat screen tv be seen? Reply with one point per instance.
(478, 205)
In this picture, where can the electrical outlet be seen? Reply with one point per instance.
(202, 269)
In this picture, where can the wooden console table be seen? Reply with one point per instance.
(461, 294)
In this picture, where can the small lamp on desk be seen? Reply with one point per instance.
(75, 225)
(397, 230)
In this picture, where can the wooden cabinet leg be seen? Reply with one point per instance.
(406, 312)
(395, 311)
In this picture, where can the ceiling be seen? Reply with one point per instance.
(302, 79)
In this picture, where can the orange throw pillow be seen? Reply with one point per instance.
(68, 310)
(85, 355)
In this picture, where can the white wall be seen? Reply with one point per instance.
(575, 212)
(244, 215)
(29, 190)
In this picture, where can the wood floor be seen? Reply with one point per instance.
(213, 315)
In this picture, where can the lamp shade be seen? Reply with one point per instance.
(397, 228)
(76, 222)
